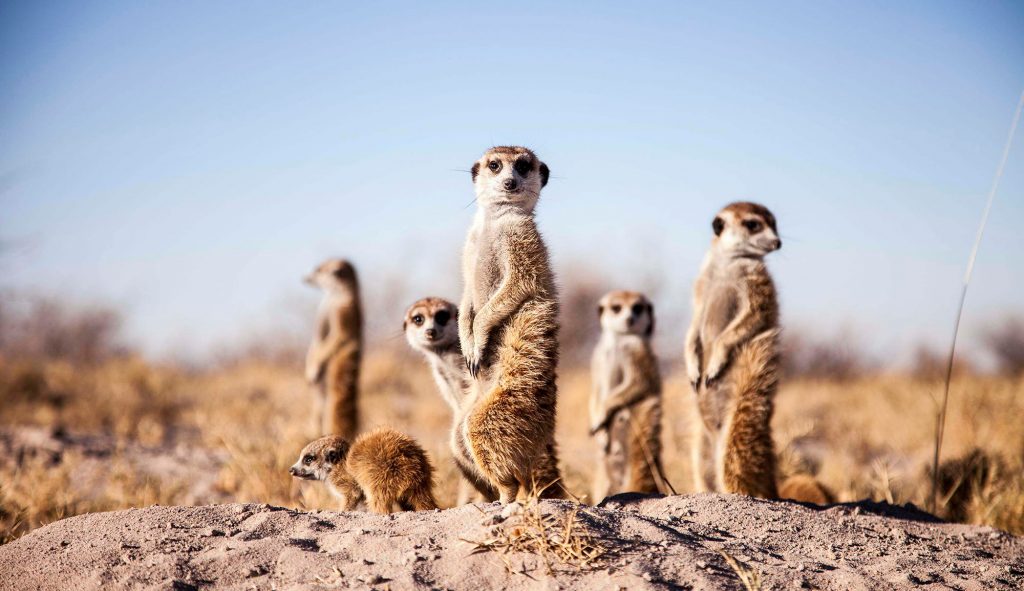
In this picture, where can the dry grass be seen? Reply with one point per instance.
(865, 437)
(559, 540)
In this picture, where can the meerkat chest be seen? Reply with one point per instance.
(489, 264)
(720, 307)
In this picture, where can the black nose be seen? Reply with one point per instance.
(431, 333)
(293, 471)
(778, 243)
(510, 184)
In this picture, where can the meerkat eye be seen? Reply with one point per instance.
(753, 226)
(494, 165)
(637, 309)
(308, 459)
(417, 319)
(442, 317)
(616, 308)
(523, 167)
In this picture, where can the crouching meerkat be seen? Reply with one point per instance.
(332, 363)
(508, 329)
(625, 403)
(732, 355)
(385, 468)
(431, 327)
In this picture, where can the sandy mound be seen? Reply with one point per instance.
(684, 542)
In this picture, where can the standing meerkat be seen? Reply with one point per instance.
(383, 467)
(508, 328)
(732, 355)
(625, 403)
(332, 363)
(431, 327)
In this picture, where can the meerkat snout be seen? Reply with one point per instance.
(746, 229)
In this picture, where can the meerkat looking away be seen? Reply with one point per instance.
(508, 330)
(431, 327)
(625, 404)
(332, 363)
(383, 467)
(732, 355)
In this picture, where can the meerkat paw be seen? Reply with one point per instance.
(694, 376)
(716, 366)
(474, 358)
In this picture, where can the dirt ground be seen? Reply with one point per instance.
(631, 542)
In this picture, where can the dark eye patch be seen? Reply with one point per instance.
(616, 308)
(442, 317)
(753, 226)
(637, 309)
(308, 459)
(417, 319)
(523, 166)
(494, 165)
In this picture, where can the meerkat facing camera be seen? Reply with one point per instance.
(732, 355)
(385, 468)
(332, 363)
(431, 327)
(625, 404)
(508, 328)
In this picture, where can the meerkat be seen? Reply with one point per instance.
(732, 355)
(805, 488)
(625, 404)
(383, 467)
(431, 327)
(332, 363)
(508, 329)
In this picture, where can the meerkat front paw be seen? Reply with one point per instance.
(693, 374)
(716, 365)
(474, 358)
(312, 373)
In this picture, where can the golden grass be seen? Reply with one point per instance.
(865, 438)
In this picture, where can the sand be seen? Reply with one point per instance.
(680, 542)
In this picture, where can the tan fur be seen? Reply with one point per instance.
(385, 468)
(439, 343)
(732, 356)
(804, 488)
(625, 404)
(508, 329)
(333, 360)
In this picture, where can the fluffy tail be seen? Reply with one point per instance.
(749, 466)
(422, 498)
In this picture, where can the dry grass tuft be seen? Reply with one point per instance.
(560, 540)
(750, 578)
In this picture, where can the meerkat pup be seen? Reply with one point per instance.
(385, 468)
(508, 329)
(332, 363)
(431, 327)
(625, 404)
(732, 355)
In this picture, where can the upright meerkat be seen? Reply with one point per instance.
(625, 403)
(431, 327)
(508, 328)
(732, 355)
(332, 363)
(385, 468)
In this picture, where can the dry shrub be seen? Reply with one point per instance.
(38, 327)
(836, 359)
(1006, 344)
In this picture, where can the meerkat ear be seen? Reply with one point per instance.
(600, 311)
(650, 313)
(544, 174)
(718, 225)
(475, 170)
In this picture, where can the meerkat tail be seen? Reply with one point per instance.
(645, 448)
(749, 465)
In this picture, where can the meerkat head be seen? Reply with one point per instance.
(333, 275)
(745, 229)
(626, 312)
(509, 175)
(431, 323)
(320, 457)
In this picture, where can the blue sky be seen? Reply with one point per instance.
(189, 160)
